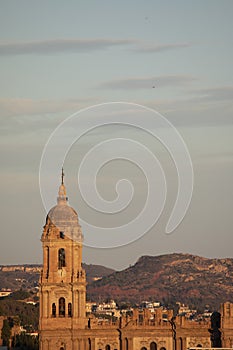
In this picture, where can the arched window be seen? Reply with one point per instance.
(153, 346)
(61, 258)
(62, 348)
(163, 348)
(62, 236)
(140, 319)
(107, 347)
(199, 346)
(70, 310)
(54, 310)
(62, 307)
(143, 348)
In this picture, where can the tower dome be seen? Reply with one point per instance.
(63, 216)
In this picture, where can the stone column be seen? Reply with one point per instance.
(48, 304)
(78, 303)
(81, 344)
(124, 343)
(85, 343)
(74, 303)
(45, 303)
(82, 304)
(92, 343)
(130, 343)
(45, 345)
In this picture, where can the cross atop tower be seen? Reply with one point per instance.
(62, 176)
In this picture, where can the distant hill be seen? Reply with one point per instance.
(169, 278)
(17, 277)
(96, 271)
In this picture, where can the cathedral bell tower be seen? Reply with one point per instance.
(62, 281)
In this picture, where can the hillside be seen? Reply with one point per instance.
(17, 277)
(96, 271)
(169, 278)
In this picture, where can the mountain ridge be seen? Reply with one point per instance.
(170, 278)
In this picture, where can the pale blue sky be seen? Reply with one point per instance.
(57, 57)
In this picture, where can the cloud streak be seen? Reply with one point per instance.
(13, 107)
(76, 45)
(209, 101)
(55, 46)
(152, 48)
(136, 83)
(221, 93)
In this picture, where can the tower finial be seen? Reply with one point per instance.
(62, 190)
(62, 176)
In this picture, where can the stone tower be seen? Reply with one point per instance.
(62, 281)
(227, 324)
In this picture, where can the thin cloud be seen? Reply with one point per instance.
(14, 107)
(221, 93)
(206, 106)
(151, 48)
(54, 46)
(22, 116)
(136, 83)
